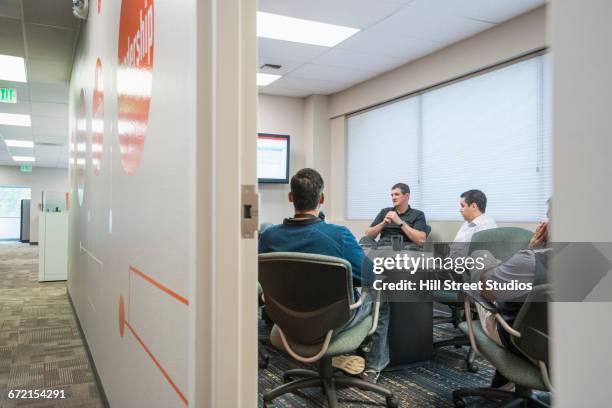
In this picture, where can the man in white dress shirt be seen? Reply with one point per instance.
(473, 205)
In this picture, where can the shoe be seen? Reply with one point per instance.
(370, 375)
(349, 364)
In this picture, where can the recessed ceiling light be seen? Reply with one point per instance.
(12, 69)
(298, 30)
(266, 79)
(24, 158)
(19, 143)
(15, 119)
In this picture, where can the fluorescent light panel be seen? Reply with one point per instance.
(24, 158)
(266, 79)
(12, 69)
(302, 31)
(15, 119)
(19, 143)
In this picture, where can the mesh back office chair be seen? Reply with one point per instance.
(502, 242)
(529, 334)
(309, 297)
(262, 354)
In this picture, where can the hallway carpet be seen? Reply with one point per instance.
(40, 344)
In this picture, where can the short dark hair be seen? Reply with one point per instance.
(475, 196)
(306, 187)
(404, 187)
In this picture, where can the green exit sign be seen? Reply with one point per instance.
(8, 95)
(26, 168)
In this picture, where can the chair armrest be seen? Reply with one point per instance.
(357, 304)
(376, 313)
(303, 359)
(490, 307)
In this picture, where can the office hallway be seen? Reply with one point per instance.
(40, 344)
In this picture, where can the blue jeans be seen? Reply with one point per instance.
(377, 358)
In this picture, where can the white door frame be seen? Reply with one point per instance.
(225, 324)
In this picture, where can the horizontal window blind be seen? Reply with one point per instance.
(489, 132)
(382, 149)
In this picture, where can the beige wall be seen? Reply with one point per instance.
(281, 115)
(39, 180)
(580, 35)
(508, 40)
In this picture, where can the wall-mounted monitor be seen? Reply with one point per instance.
(272, 158)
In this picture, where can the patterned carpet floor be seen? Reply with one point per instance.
(40, 344)
(429, 385)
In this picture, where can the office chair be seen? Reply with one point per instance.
(502, 242)
(309, 297)
(262, 354)
(529, 335)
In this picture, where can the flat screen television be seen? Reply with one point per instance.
(272, 158)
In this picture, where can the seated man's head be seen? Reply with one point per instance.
(473, 204)
(306, 191)
(400, 194)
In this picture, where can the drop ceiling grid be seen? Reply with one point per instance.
(392, 34)
(44, 33)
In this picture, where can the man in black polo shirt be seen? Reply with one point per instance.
(401, 219)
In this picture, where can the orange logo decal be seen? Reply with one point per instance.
(97, 122)
(81, 146)
(134, 79)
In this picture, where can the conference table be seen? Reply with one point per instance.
(411, 313)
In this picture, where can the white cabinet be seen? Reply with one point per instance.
(52, 246)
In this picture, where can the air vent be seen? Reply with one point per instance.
(271, 66)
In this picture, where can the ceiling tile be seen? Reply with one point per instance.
(42, 70)
(314, 86)
(47, 152)
(273, 50)
(10, 9)
(21, 107)
(49, 126)
(354, 59)
(21, 151)
(483, 10)
(51, 138)
(381, 43)
(332, 73)
(11, 37)
(296, 93)
(56, 13)
(433, 25)
(16, 132)
(23, 92)
(58, 110)
(49, 92)
(349, 13)
(49, 42)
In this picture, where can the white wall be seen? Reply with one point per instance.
(503, 42)
(39, 180)
(580, 35)
(281, 115)
(138, 220)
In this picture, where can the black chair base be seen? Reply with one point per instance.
(509, 399)
(459, 341)
(328, 381)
